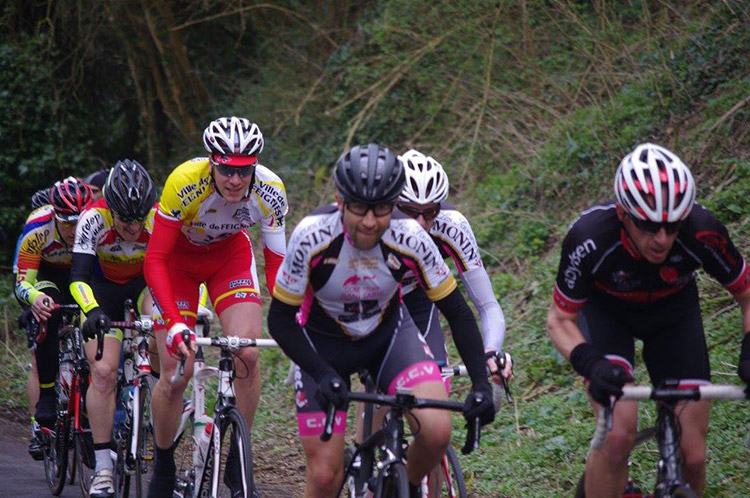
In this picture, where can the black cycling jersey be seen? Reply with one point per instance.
(599, 257)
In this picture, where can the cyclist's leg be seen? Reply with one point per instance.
(606, 468)
(47, 360)
(236, 299)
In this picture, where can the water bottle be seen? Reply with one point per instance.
(201, 445)
(66, 376)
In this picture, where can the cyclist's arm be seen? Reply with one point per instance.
(743, 299)
(283, 327)
(156, 266)
(491, 315)
(80, 281)
(563, 330)
(465, 334)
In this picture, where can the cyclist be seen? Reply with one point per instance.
(627, 272)
(110, 245)
(422, 198)
(42, 275)
(200, 236)
(336, 308)
(96, 181)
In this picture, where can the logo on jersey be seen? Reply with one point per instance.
(418, 244)
(273, 196)
(572, 272)
(669, 274)
(393, 262)
(460, 237)
(314, 238)
(718, 245)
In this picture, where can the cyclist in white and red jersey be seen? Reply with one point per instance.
(337, 308)
(42, 274)
(110, 246)
(200, 236)
(627, 272)
(422, 198)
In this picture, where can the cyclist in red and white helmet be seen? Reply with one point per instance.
(200, 235)
(42, 270)
(627, 272)
(422, 198)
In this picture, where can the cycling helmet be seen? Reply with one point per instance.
(69, 197)
(369, 174)
(426, 181)
(652, 184)
(228, 138)
(129, 191)
(97, 178)
(40, 198)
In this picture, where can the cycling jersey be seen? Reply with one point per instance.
(193, 214)
(599, 258)
(40, 244)
(98, 243)
(355, 290)
(452, 233)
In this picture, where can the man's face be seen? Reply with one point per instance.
(128, 230)
(96, 193)
(425, 214)
(67, 231)
(365, 227)
(233, 182)
(654, 241)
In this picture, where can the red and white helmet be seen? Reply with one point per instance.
(69, 197)
(233, 137)
(426, 181)
(652, 184)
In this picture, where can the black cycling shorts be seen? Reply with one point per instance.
(427, 319)
(674, 344)
(395, 354)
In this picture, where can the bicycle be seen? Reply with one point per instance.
(70, 433)
(670, 482)
(135, 446)
(205, 446)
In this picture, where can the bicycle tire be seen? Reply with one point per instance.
(451, 482)
(84, 443)
(55, 454)
(681, 491)
(182, 449)
(72, 455)
(392, 482)
(581, 488)
(144, 441)
(236, 462)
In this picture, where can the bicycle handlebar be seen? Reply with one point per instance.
(229, 342)
(144, 325)
(645, 393)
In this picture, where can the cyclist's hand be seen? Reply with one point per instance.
(91, 326)
(332, 390)
(42, 307)
(180, 334)
(606, 380)
(479, 405)
(497, 374)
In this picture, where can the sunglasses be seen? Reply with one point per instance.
(428, 214)
(361, 209)
(131, 220)
(229, 171)
(653, 227)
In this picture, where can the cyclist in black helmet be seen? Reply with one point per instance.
(113, 235)
(353, 256)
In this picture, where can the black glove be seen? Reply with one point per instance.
(606, 380)
(91, 326)
(743, 367)
(328, 393)
(479, 404)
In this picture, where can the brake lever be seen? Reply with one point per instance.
(330, 417)
(100, 324)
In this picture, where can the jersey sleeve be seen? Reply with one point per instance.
(294, 273)
(182, 190)
(35, 234)
(574, 278)
(271, 195)
(454, 236)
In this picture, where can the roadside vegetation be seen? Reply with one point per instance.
(528, 105)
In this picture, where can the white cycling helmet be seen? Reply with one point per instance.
(652, 184)
(426, 181)
(233, 136)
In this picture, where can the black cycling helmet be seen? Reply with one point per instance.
(369, 174)
(40, 198)
(129, 191)
(69, 197)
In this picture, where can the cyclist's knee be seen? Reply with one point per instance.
(103, 376)
(250, 356)
(324, 476)
(435, 429)
(617, 448)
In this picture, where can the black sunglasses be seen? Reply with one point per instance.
(228, 171)
(360, 209)
(131, 219)
(428, 214)
(653, 227)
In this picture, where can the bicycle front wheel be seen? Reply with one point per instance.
(84, 445)
(682, 492)
(55, 451)
(392, 482)
(235, 476)
(144, 435)
(450, 483)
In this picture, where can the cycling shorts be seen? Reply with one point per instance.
(226, 267)
(427, 319)
(111, 297)
(396, 353)
(674, 344)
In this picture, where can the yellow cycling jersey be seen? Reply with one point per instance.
(189, 196)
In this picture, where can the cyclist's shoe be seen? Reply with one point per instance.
(46, 410)
(102, 484)
(35, 448)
